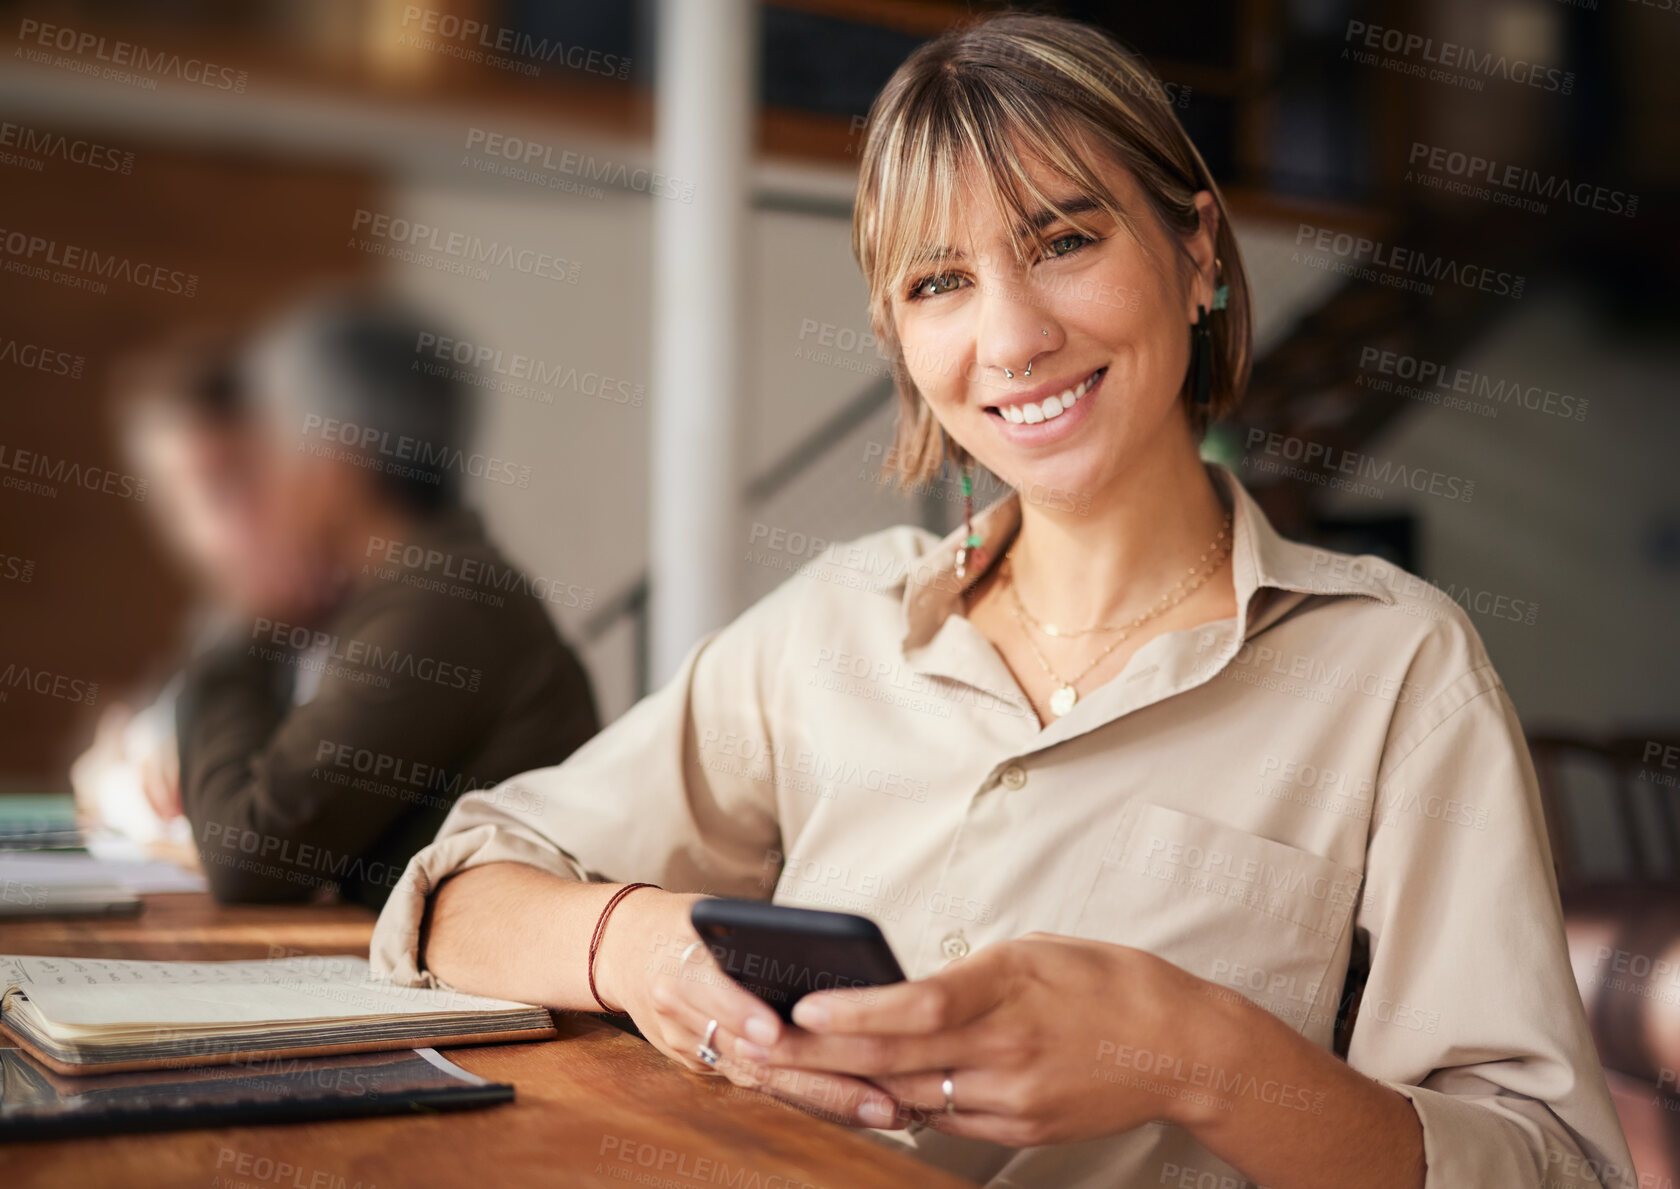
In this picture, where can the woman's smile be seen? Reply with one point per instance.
(1047, 413)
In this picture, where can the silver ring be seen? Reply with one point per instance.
(949, 1090)
(1009, 373)
(706, 1052)
(692, 946)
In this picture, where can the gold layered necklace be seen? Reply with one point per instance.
(1066, 692)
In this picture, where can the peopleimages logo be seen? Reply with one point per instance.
(46, 683)
(472, 577)
(16, 569)
(122, 53)
(476, 39)
(464, 252)
(313, 649)
(61, 470)
(1402, 268)
(402, 456)
(36, 255)
(1446, 61)
(1429, 375)
(1414, 590)
(794, 764)
(34, 357)
(1510, 181)
(1321, 460)
(535, 155)
(523, 375)
(42, 144)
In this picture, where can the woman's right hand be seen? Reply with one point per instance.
(652, 965)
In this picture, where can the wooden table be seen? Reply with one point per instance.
(585, 1101)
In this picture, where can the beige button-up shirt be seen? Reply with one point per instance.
(1334, 776)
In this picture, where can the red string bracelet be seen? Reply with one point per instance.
(600, 931)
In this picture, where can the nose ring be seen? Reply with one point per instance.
(1028, 370)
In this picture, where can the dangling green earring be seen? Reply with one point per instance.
(1201, 357)
(1201, 344)
(971, 539)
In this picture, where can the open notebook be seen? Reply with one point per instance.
(99, 1015)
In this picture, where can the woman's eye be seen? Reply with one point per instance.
(1071, 242)
(934, 286)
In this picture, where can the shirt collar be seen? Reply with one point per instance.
(1261, 558)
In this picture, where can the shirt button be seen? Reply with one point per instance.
(1014, 776)
(954, 946)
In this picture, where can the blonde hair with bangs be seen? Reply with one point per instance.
(988, 93)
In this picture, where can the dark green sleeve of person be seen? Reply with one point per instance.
(420, 697)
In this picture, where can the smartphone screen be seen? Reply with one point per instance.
(782, 954)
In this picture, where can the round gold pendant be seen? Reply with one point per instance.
(1063, 699)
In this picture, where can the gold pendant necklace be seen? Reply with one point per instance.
(1066, 695)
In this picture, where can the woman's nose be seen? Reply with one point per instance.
(1011, 335)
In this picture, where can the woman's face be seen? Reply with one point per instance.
(1104, 321)
(213, 503)
(245, 510)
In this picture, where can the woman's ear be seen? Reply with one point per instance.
(1203, 246)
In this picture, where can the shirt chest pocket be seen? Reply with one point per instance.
(1262, 917)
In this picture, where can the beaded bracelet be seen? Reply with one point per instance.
(600, 931)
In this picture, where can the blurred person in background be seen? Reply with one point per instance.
(374, 656)
(182, 427)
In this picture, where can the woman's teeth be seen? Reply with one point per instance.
(1050, 407)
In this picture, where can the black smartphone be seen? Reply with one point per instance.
(782, 954)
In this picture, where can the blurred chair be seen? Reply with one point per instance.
(1611, 817)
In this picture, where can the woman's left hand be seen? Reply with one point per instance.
(1043, 1037)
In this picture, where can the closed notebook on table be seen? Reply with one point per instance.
(82, 1016)
(36, 1103)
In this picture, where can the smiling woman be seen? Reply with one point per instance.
(1141, 947)
(1068, 140)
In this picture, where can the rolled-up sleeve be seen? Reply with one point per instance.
(665, 794)
(1470, 1008)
